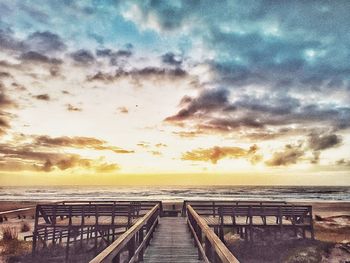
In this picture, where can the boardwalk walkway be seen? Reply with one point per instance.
(172, 242)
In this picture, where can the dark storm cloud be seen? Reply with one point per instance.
(83, 56)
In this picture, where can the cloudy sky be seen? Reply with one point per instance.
(174, 92)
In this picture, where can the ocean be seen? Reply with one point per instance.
(285, 193)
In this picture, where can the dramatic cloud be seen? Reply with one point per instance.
(212, 110)
(320, 141)
(26, 158)
(45, 42)
(217, 153)
(290, 155)
(208, 100)
(77, 142)
(244, 73)
(41, 154)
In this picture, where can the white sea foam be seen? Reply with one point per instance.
(176, 193)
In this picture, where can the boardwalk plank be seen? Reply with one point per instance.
(172, 242)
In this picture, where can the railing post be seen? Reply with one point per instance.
(131, 247)
(199, 236)
(251, 234)
(116, 259)
(140, 241)
(208, 249)
(113, 227)
(35, 232)
(221, 217)
(311, 224)
(280, 220)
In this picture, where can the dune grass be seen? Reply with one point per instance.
(25, 227)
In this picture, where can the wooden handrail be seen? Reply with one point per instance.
(219, 247)
(121, 242)
(210, 204)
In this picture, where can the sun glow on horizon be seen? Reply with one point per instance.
(130, 94)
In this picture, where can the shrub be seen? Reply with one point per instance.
(9, 233)
(318, 218)
(25, 227)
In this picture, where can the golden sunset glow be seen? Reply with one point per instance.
(129, 96)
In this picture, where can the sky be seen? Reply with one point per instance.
(174, 92)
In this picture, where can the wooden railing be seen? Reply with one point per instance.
(211, 207)
(144, 204)
(135, 240)
(299, 217)
(213, 250)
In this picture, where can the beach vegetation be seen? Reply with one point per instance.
(25, 227)
(9, 233)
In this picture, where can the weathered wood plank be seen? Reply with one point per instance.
(172, 242)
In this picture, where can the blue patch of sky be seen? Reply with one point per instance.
(85, 24)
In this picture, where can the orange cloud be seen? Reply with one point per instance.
(27, 159)
(217, 153)
(77, 142)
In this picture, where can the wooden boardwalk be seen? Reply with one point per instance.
(172, 242)
(137, 231)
